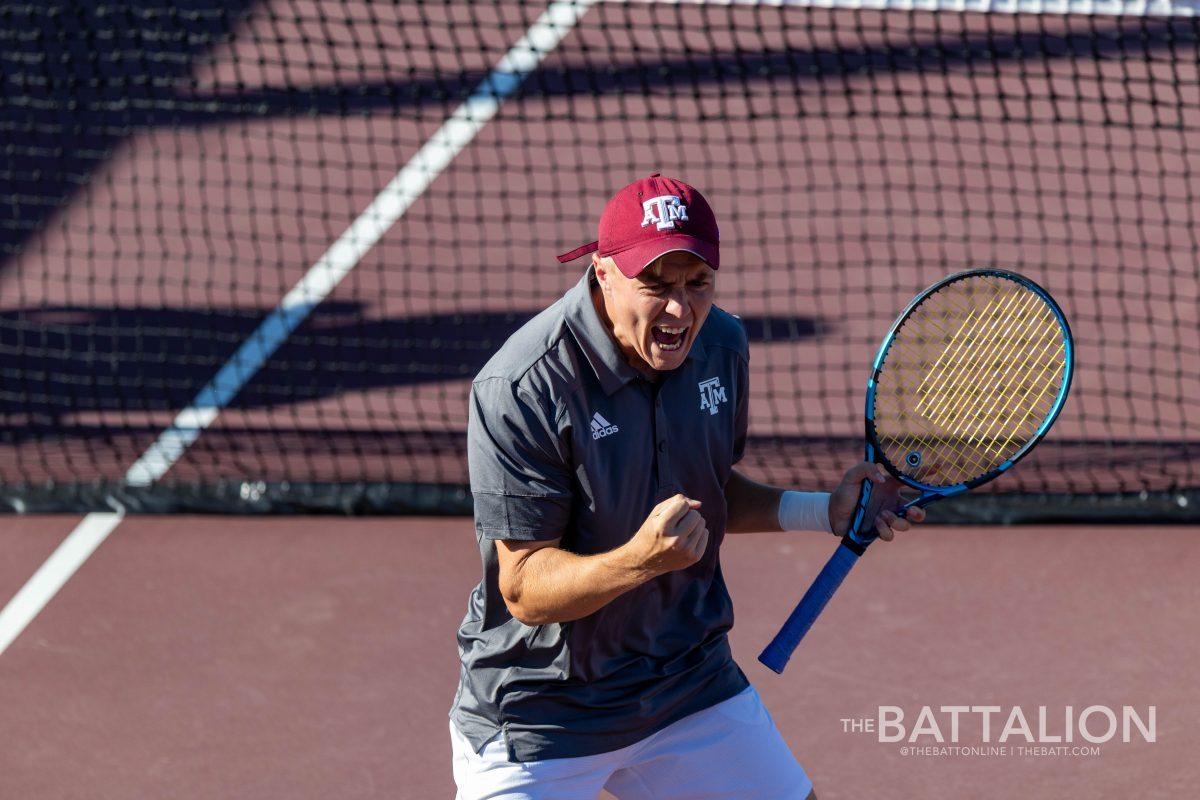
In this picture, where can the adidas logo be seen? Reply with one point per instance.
(602, 427)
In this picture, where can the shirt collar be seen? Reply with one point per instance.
(598, 344)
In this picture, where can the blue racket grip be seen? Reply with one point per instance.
(777, 653)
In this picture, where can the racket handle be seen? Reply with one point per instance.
(777, 653)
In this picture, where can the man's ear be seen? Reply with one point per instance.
(603, 277)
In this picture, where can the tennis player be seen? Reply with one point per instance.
(601, 444)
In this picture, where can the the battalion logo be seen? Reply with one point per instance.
(663, 212)
(712, 393)
(602, 427)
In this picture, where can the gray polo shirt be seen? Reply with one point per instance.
(566, 439)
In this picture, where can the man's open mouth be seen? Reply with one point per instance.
(668, 338)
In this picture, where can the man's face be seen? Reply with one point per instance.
(656, 315)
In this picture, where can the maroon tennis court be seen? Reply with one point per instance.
(315, 657)
(252, 252)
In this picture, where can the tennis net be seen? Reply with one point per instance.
(171, 171)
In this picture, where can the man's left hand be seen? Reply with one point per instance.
(885, 501)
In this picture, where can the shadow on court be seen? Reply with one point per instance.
(69, 360)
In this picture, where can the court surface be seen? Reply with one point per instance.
(313, 657)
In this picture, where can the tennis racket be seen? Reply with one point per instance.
(969, 378)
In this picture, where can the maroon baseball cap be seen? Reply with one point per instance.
(650, 218)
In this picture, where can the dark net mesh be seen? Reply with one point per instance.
(171, 170)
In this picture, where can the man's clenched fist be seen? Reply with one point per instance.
(673, 537)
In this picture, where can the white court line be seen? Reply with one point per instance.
(370, 226)
(322, 277)
(55, 572)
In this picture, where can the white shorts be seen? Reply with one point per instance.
(731, 750)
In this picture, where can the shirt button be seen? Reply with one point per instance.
(662, 447)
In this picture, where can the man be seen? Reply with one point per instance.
(601, 444)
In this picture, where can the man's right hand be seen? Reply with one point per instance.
(543, 584)
(673, 537)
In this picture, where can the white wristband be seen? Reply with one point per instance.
(804, 511)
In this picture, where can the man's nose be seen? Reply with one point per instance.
(677, 304)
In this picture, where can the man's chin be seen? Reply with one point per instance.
(664, 360)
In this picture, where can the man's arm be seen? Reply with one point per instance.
(542, 583)
(754, 507)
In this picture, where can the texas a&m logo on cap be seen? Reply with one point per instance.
(674, 217)
(663, 212)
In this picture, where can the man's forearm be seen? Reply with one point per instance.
(758, 507)
(554, 585)
(753, 507)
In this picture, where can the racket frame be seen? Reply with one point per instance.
(862, 532)
(930, 494)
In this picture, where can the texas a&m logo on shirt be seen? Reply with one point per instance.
(712, 393)
(663, 212)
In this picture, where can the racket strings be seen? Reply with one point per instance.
(945, 402)
(955, 379)
(948, 370)
(996, 345)
(987, 379)
(954, 407)
(982, 449)
(970, 377)
(1028, 378)
(959, 433)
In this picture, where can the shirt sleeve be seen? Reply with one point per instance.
(520, 479)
